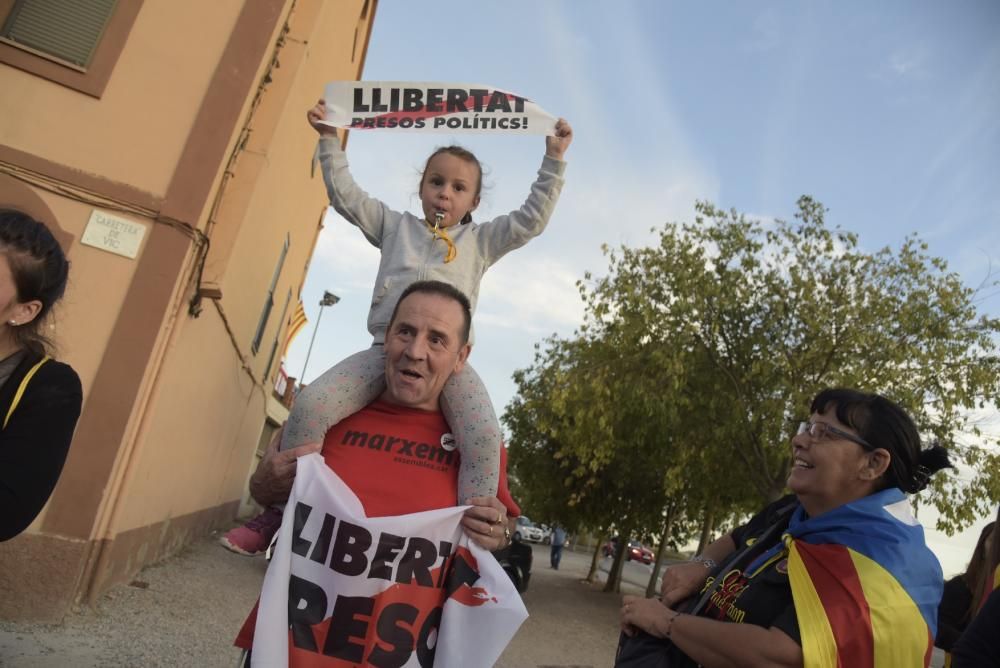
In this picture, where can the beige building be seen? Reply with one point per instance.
(167, 142)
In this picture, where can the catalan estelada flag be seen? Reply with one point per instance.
(866, 587)
(295, 325)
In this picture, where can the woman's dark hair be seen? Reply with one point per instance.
(884, 424)
(39, 268)
(979, 568)
(992, 555)
(462, 154)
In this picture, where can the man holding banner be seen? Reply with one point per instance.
(374, 564)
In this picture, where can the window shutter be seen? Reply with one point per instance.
(66, 29)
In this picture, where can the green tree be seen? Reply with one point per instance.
(769, 314)
(568, 452)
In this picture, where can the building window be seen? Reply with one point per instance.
(67, 31)
(269, 301)
(274, 346)
(73, 43)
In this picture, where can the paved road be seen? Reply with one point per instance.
(571, 624)
(185, 612)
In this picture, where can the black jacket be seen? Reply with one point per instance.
(954, 605)
(979, 646)
(34, 443)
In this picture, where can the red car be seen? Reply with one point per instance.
(639, 552)
(636, 551)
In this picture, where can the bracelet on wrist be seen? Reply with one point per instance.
(670, 624)
(704, 561)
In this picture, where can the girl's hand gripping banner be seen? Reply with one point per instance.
(432, 107)
(345, 590)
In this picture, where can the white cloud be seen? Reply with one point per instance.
(343, 246)
(534, 297)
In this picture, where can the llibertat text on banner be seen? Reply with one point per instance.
(343, 589)
(420, 106)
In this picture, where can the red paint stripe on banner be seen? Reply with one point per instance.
(468, 106)
(397, 622)
(836, 580)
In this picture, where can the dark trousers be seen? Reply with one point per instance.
(556, 556)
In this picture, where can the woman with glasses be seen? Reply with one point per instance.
(835, 574)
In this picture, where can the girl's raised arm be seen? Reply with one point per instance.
(367, 213)
(555, 147)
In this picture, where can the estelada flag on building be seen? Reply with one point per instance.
(865, 585)
(295, 325)
(343, 589)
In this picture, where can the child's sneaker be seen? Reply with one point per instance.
(253, 537)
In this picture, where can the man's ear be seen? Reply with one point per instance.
(475, 204)
(463, 354)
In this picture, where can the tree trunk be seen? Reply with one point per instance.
(651, 588)
(613, 584)
(595, 562)
(777, 488)
(707, 526)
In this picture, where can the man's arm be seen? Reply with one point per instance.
(271, 482)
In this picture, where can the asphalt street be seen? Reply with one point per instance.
(186, 610)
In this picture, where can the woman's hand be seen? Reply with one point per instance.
(485, 522)
(681, 581)
(317, 114)
(647, 614)
(556, 146)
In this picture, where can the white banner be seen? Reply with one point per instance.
(420, 106)
(343, 589)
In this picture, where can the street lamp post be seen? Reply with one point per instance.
(329, 299)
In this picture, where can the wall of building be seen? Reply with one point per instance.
(135, 132)
(208, 140)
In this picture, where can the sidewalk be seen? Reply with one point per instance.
(186, 611)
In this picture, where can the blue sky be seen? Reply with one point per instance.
(888, 113)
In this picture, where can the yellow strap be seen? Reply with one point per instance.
(21, 388)
(440, 233)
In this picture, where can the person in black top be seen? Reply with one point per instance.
(979, 646)
(957, 605)
(40, 398)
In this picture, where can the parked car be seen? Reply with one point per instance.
(527, 530)
(546, 533)
(515, 559)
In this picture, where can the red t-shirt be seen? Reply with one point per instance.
(397, 461)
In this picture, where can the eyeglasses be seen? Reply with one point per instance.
(818, 430)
